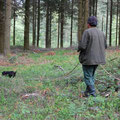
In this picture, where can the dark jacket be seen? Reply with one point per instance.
(92, 47)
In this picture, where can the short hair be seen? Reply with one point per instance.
(92, 21)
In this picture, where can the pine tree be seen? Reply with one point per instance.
(82, 17)
(5, 23)
(26, 29)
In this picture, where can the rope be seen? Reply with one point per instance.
(66, 74)
(110, 73)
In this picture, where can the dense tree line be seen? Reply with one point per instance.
(74, 10)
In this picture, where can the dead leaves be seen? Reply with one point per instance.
(4, 62)
(23, 60)
(71, 53)
(51, 53)
(37, 51)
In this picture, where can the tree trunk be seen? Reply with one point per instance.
(7, 28)
(102, 24)
(2, 25)
(110, 38)
(62, 23)
(47, 26)
(38, 24)
(93, 7)
(107, 19)
(117, 15)
(71, 24)
(5, 22)
(58, 43)
(26, 28)
(14, 23)
(50, 27)
(34, 23)
(90, 13)
(119, 28)
(82, 17)
(86, 13)
(96, 8)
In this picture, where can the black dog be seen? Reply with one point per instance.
(9, 73)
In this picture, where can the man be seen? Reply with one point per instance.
(92, 53)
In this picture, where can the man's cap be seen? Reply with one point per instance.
(92, 20)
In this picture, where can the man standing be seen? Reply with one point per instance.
(92, 53)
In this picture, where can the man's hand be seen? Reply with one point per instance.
(78, 50)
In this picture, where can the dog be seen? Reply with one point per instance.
(9, 73)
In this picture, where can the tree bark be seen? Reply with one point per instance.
(82, 17)
(38, 24)
(107, 19)
(2, 26)
(47, 25)
(71, 24)
(26, 28)
(102, 24)
(58, 43)
(34, 23)
(90, 8)
(117, 15)
(14, 23)
(62, 23)
(50, 28)
(7, 28)
(5, 22)
(119, 28)
(110, 37)
(93, 7)
(96, 8)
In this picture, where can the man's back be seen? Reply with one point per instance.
(92, 47)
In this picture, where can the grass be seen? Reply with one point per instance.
(58, 99)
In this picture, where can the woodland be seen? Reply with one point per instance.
(38, 45)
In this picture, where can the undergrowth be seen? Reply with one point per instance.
(58, 96)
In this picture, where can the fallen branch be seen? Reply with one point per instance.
(113, 59)
(29, 95)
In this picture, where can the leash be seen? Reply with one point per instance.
(66, 74)
(109, 73)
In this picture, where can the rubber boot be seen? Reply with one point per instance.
(86, 92)
(92, 90)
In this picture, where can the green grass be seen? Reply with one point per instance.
(58, 99)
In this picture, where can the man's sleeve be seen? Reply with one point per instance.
(83, 42)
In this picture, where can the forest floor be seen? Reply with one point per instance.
(45, 88)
